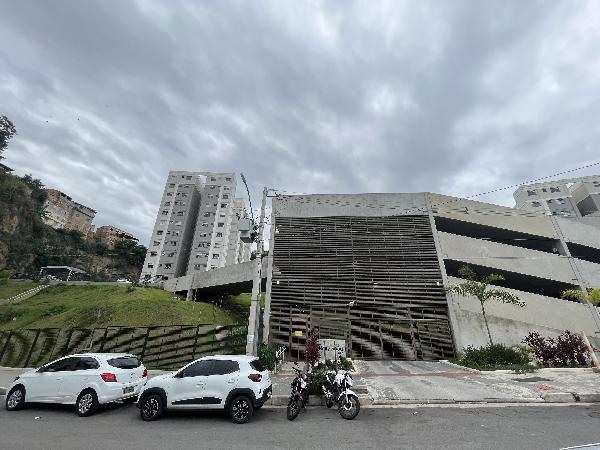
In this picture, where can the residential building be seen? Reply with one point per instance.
(193, 228)
(572, 197)
(63, 212)
(110, 235)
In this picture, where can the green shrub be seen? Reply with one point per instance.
(130, 288)
(345, 364)
(316, 387)
(4, 274)
(494, 357)
(3, 281)
(267, 356)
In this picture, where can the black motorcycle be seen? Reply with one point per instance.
(299, 395)
(337, 389)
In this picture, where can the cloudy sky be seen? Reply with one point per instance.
(312, 97)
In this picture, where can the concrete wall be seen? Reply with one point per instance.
(492, 215)
(506, 257)
(361, 205)
(584, 231)
(509, 324)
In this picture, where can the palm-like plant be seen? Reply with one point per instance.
(592, 295)
(480, 288)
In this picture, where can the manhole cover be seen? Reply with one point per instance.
(530, 379)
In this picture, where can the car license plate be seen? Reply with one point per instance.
(128, 390)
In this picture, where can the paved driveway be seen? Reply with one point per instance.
(438, 381)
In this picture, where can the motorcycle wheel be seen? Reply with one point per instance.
(349, 409)
(293, 408)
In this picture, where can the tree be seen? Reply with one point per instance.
(592, 295)
(480, 288)
(312, 348)
(7, 131)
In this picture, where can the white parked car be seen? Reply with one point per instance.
(237, 384)
(85, 380)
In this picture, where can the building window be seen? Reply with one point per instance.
(536, 204)
(180, 213)
(227, 179)
(167, 203)
(168, 265)
(215, 256)
(169, 194)
(219, 234)
(204, 224)
(178, 223)
(172, 242)
(164, 213)
(530, 193)
(198, 266)
(150, 266)
(159, 232)
(554, 189)
(225, 196)
(220, 224)
(213, 179)
(544, 190)
(153, 253)
(206, 214)
(561, 201)
(172, 185)
(155, 243)
(223, 205)
(189, 177)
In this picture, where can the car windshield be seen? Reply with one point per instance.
(125, 362)
(258, 365)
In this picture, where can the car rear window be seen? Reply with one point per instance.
(125, 362)
(258, 365)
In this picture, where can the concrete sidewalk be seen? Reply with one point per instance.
(438, 382)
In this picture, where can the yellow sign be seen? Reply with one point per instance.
(298, 333)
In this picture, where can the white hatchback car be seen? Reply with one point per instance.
(237, 384)
(85, 380)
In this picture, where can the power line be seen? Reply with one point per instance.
(457, 199)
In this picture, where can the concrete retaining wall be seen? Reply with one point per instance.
(510, 324)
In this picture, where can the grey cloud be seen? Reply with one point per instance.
(323, 97)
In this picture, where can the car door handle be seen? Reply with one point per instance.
(201, 385)
(230, 381)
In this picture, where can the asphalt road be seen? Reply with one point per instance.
(530, 427)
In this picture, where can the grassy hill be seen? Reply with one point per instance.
(10, 288)
(100, 306)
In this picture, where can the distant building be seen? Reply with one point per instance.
(197, 226)
(572, 197)
(62, 212)
(109, 235)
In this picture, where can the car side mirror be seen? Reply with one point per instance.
(178, 374)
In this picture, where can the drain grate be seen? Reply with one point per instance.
(531, 379)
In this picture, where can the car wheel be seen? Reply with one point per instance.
(241, 409)
(87, 403)
(15, 398)
(152, 407)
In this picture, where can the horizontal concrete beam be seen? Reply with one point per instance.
(237, 275)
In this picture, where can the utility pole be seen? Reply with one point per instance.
(253, 320)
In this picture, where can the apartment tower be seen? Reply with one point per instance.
(196, 227)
